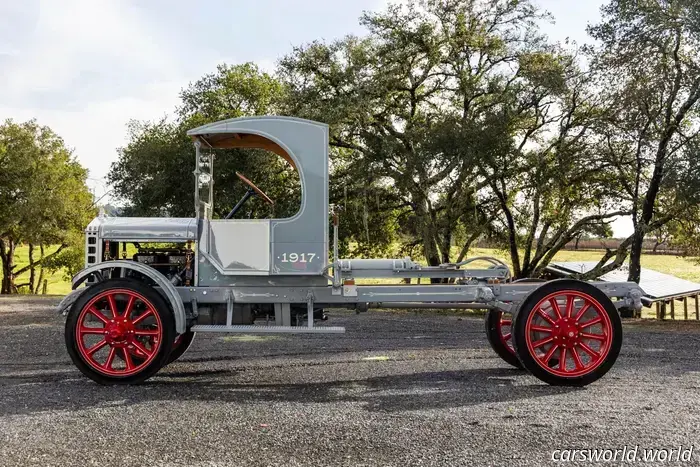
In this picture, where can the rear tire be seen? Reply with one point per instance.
(567, 333)
(181, 345)
(120, 331)
(499, 335)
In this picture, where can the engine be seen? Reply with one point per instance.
(173, 263)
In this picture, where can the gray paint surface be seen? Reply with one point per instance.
(153, 229)
(306, 143)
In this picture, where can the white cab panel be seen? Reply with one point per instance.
(240, 245)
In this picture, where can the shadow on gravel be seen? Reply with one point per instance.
(394, 393)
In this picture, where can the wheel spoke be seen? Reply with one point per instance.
(592, 322)
(577, 359)
(129, 306)
(582, 311)
(544, 315)
(145, 315)
(562, 359)
(542, 342)
(127, 360)
(110, 358)
(506, 337)
(142, 349)
(112, 305)
(569, 305)
(541, 329)
(97, 314)
(506, 322)
(588, 350)
(84, 330)
(146, 332)
(596, 337)
(549, 355)
(91, 351)
(555, 307)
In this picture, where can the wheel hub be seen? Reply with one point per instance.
(119, 332)
(566, 332)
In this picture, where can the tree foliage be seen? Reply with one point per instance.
(43, 196)
(463, 112)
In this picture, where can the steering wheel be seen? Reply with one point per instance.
(257, 190)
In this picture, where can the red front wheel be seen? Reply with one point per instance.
(567, 333)
(120, 332)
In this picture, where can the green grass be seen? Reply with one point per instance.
(57, 282)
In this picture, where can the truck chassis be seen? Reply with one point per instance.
(127, 318)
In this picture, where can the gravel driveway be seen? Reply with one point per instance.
(397, 389)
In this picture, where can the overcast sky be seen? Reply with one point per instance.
(86, 67)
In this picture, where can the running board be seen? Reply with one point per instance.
(253, 329)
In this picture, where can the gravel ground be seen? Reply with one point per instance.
(397, 389)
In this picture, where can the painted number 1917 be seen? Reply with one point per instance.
(297, 257)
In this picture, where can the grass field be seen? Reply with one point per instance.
(685, 268)
(58, 284)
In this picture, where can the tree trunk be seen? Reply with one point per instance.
(635, 270)
(41, 271)
(7, 254)
(446, 247)
(427, 230)
(32, 269)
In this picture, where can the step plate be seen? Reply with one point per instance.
(253, 329)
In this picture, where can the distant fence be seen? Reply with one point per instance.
(649, 246)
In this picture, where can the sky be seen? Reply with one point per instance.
(87, 67)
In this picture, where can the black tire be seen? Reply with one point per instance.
(570, 334)
(182, 344)
(120, 340)
(499, 338)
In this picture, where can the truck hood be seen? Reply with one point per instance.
(153, 229)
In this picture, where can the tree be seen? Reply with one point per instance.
(410, 101)
(469, 118)
(548, 185)
(43, 196)
(648, 64)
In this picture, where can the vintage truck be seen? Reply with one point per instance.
(150, 284)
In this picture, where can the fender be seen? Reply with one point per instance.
(166, 288)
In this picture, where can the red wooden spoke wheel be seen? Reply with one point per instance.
(499, 334)
(568, 333)
(120, 331)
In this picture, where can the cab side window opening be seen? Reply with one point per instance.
(268, 171)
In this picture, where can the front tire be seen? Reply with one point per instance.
(120, 331)
(567, 333)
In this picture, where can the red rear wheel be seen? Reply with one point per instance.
(499, 334)
(181, 345)
(568, 333)
(119, 331)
